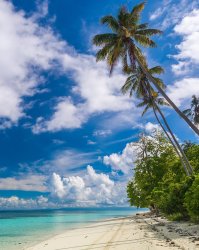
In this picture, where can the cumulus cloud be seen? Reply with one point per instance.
(188, 50)
(87, 188)
(26, 49)
(124, 161)
(66, 116)
(90, 189)
(99, 92)
(182, 90)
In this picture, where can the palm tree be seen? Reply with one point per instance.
(137, 82)
(193, 112)
(154, 103)
(122, 43)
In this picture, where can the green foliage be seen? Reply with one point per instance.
(192, 152)
(160, 182)
(176, 217)
(192, 200)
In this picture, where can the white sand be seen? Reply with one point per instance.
(137, 233)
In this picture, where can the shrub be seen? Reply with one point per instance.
(191, 201)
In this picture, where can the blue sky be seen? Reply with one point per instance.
(65, 128)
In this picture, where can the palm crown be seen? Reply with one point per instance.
(138, 82)
(126, 35)
(193, 112)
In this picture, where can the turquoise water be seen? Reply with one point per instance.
(20, 229)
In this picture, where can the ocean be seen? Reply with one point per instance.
(21, 229)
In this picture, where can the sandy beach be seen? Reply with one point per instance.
(142, 231)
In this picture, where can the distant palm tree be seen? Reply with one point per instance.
(193, 112)
(127, 33)
(138, 83)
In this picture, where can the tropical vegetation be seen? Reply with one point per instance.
(166, 173)
(159, 181)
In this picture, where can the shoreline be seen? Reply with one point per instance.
(142, 231)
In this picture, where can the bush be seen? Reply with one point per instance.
(191, 201)
(176, 217)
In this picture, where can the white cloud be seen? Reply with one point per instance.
(66, 116)
(102, 132)
(87, 188)
(182, 90)
(67, 161)
(99, 92)
(91, 188)
(15, 202)
(150, 127)
(171, 12)
(26, 49)
(90, 142)
(25, 183)
(188, 48)
(124, 161)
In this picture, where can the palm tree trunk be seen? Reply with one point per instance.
(174, 138)
(173, 144)
(150, 78)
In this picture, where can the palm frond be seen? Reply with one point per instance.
(103, 39)
(141, 104)
(142, 26)
(123, 16)
(161, 101)
(103, 53)
(114, 55)
(128, 84)
(187, 112)
(138, 9)
(140, 56)
(145, 110)
(159, 82)
(156, 70)
(144, 41)
(148, 32)
(111, 22)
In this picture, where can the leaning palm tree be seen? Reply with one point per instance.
(153, 103)
(127, 34)
(193, 112)
(138, 83)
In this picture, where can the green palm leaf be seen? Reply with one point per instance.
(148, 32)
(111, 22)
(102, 53)
(103, 39)
(156, 70)
(136, 11)
(144, 41)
